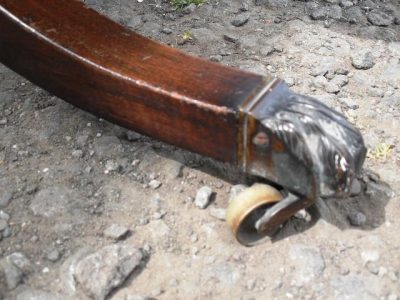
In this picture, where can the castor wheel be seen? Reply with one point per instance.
(247, 208)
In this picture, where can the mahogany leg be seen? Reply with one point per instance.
(252, 121)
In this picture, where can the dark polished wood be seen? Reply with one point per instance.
(250, 120)
(104, 68)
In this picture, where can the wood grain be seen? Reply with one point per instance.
(104, 68)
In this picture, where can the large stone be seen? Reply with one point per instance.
(355, 287)
(67, 271)
(308, 263)
(335, 12)
(107, 146)
(362, 60)
(32, 294)
(340, 80)
(13, 268)
(3, 224)
(349, 103)
(392, 71)
(278, 3)
(135, 22)
(380, 18)
(56, 200)
(151, 28)
(6, 195)
(317, 12)
(225, 273)
(394, 48)
(133, 136)
(204, 36)
(355, 15)
(101, 272)
(158, 230)
(189, 9)
(172, 169)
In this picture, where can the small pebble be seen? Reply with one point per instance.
(216, 58)
(350, 104)
(194, 251)
(5, 197)
(303, 215)
(236, 190)
(53, 256)
(156, 292)
(173, 282)
(137, 297)
(166, 30)
(7, 232)
(3, 224)
(31, 188)
(346, 3)
(230, 38)
(382, 271)
(362, 60)
(154, 184)
(332, 88)
(143, 221)
(194, 238)
(340, 80)
(4, 215)
(159, 215)
(135, 162)
(240, 20)
(357, 219)
(203, 197)
(189, 9)
(369, 256)
(290, 81)
(245, 6)
(373, 267)
(116, 232)
(344, 270)
(355, 188)
(77, 153)
(132, 136)
(218, 213)
(111, 166)
(146, 249)
(250, 284)
(392, 275)
(342, 71)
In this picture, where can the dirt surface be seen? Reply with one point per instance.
(91, 210)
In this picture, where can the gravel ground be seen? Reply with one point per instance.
(89, 210)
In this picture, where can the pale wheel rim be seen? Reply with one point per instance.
(246, 208)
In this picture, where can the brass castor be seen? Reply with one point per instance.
(247, 208)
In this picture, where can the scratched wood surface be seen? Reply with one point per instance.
(102, 67)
